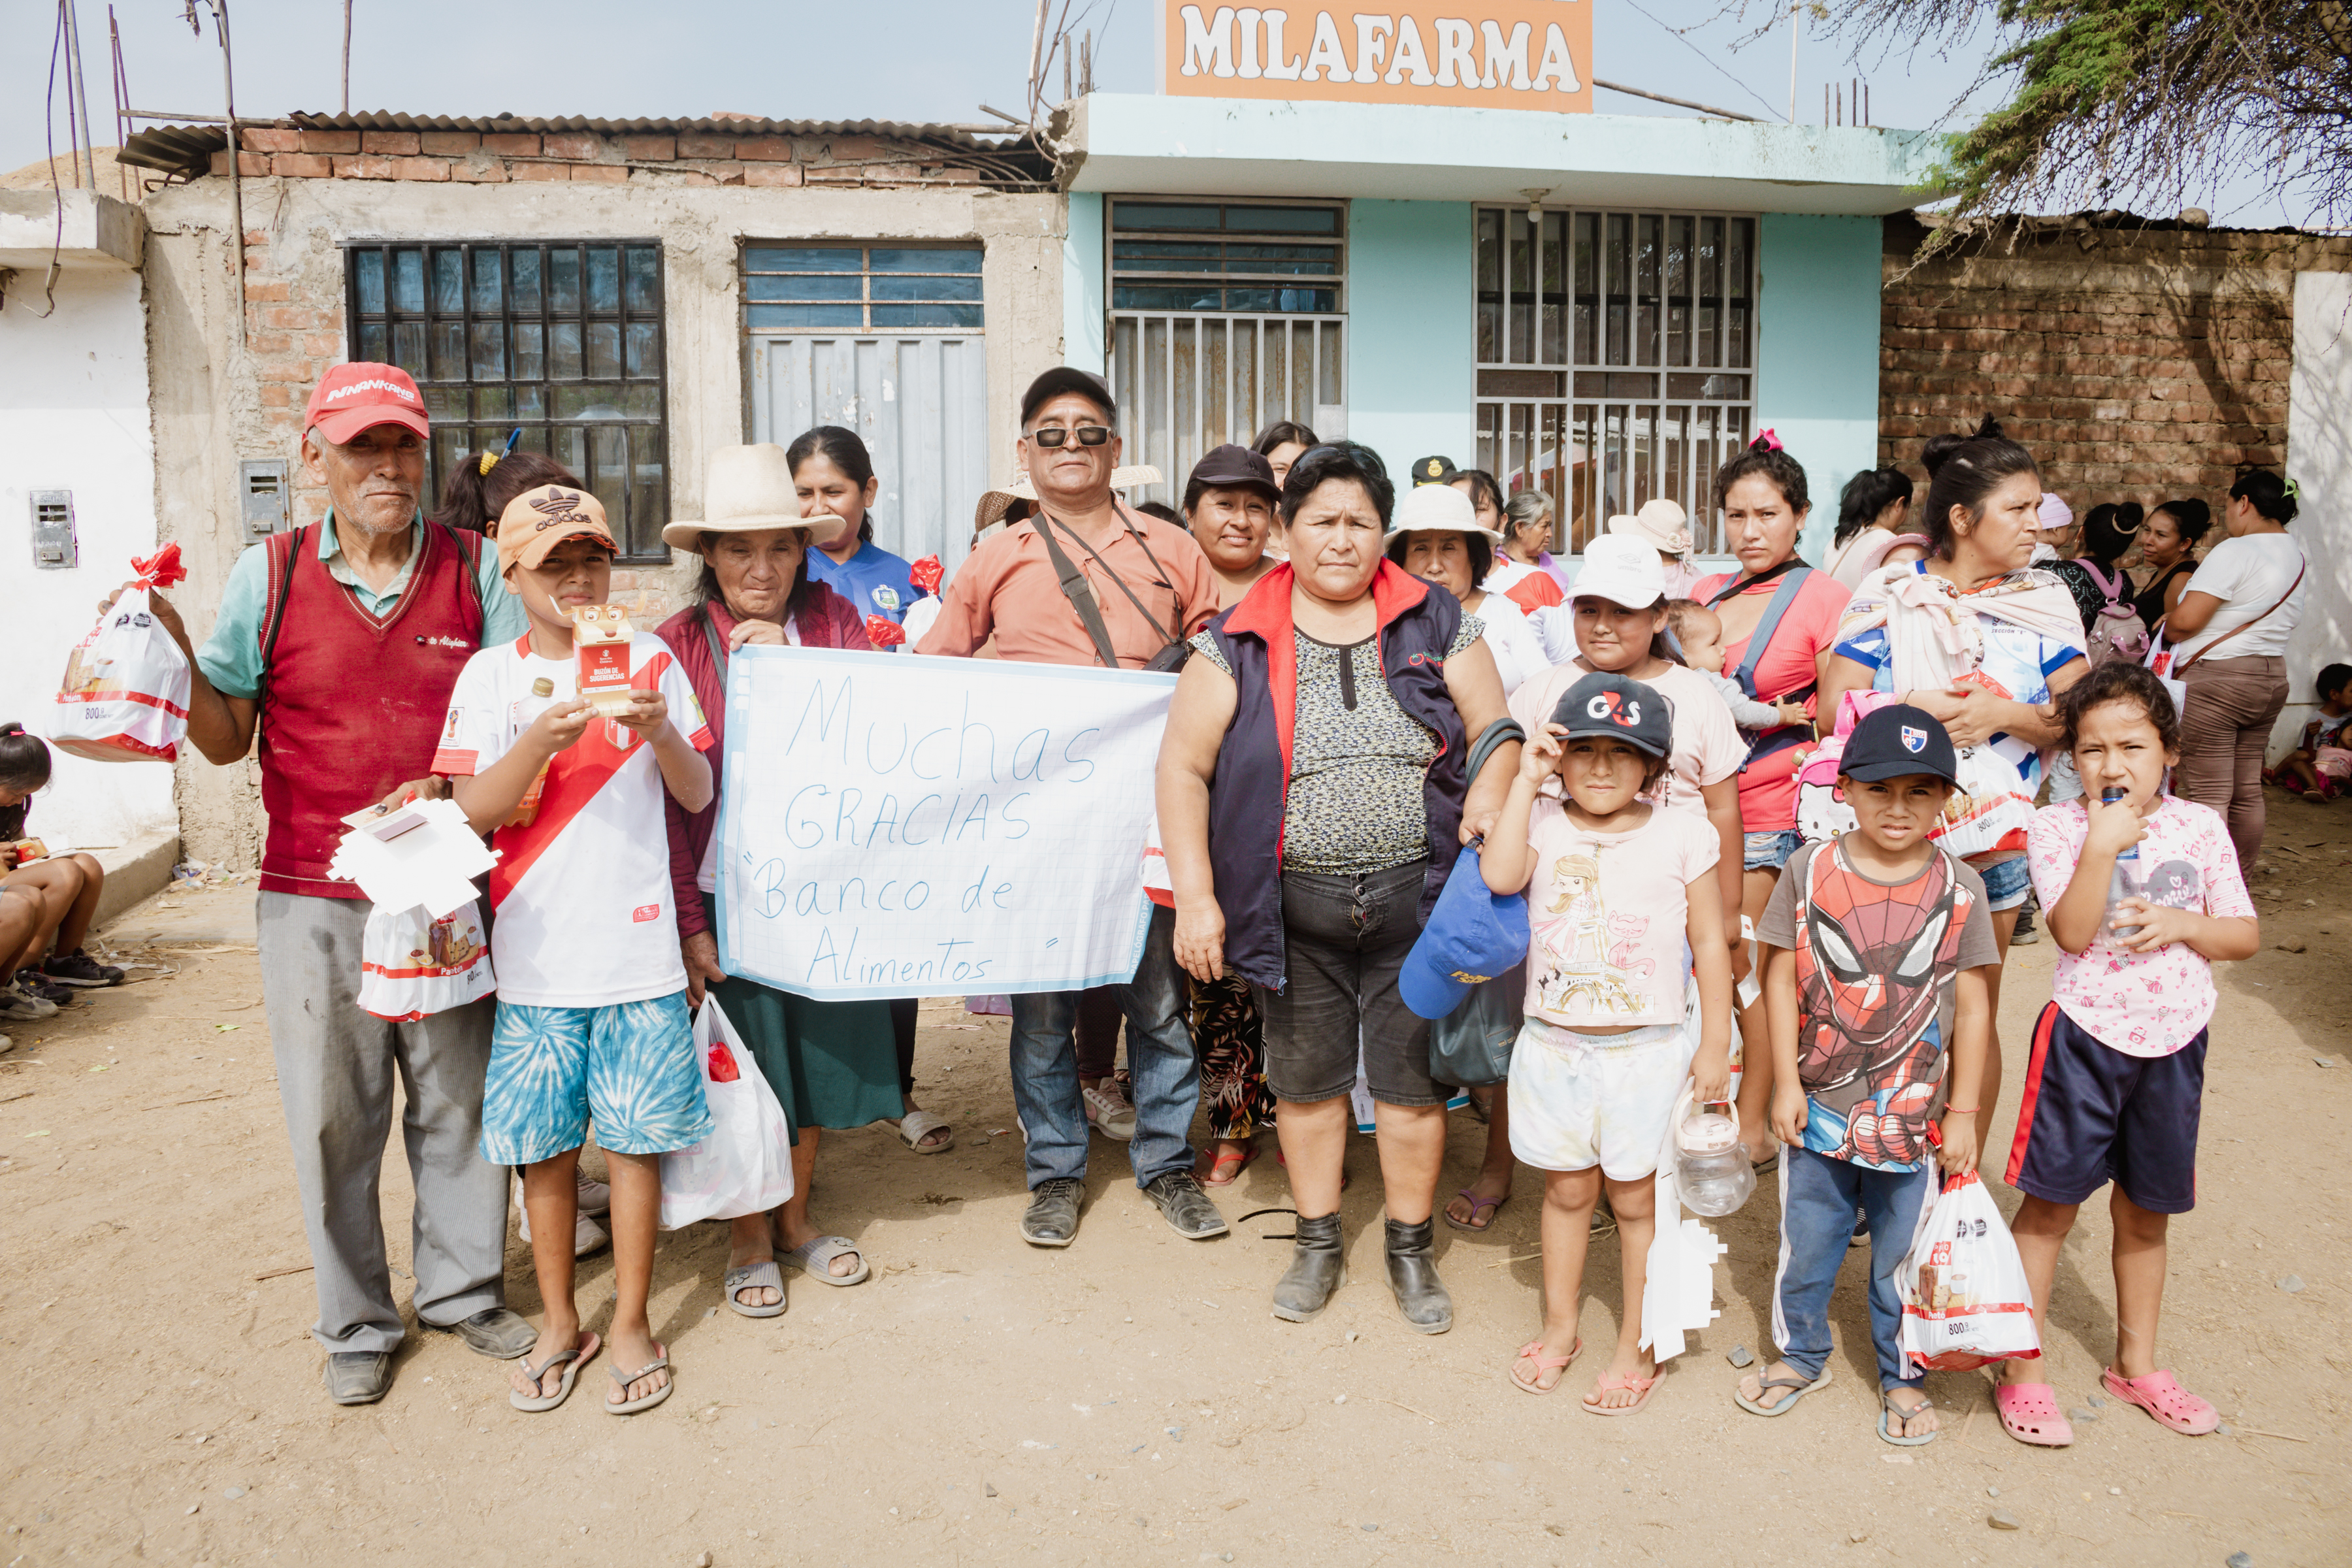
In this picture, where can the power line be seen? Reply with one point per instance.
(1712, 63)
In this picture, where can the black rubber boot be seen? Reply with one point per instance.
(1421, 1296)
(1318, 1268)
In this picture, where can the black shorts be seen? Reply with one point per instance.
(1345, 940)
(2093, 1114)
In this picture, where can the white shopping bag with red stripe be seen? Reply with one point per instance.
(745, 1166)
(414, 964)
(125, 695)
(1966, 1301)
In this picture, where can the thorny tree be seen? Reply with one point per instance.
(2155, 98)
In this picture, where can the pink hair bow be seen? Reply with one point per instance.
(1766, 439)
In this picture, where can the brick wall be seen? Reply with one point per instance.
(2135, 360)
(711, 158)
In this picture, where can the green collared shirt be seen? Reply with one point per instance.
(231, 657)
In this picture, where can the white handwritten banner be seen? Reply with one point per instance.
(893, 826)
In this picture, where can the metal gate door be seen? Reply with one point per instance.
(918, 403)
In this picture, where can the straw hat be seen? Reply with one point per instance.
(749, 489)
(1661, 521)
(994, 504)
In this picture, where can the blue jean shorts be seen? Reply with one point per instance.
(630, 1066)
(2005, 884)
(1770, 851)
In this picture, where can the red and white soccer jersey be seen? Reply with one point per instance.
(583, 895)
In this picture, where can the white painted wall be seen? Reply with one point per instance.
(2319, 459)
(73, 415)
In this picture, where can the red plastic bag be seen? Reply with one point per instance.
(124, 698)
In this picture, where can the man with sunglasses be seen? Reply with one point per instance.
(1088, 580)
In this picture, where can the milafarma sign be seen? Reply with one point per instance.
(1492, 54)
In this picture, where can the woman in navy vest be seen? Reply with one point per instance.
(1311, 804)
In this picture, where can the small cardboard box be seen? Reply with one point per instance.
(600, 639)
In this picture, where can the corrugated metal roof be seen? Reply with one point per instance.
(187, 150)
(896, 131)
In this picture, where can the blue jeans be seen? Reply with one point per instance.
(1818, 1199)
(1768, 851)
(1158, 1055)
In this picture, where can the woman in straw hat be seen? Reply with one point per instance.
(1664, 526)
(832, 1064)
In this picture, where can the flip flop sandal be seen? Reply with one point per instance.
(2029, 1413)
(1785, 1406)
(1889, 1412)
(1227, 1169)
(751, 1277)
(917, 1125)
(1605, 1383)
(1476, 1203)
(570, 1361)
(632, 1406)
(2160, 1394)
(814, 1258)
(1533, 1350)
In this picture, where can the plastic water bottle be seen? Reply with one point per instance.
(542, 698)
(2125, 881)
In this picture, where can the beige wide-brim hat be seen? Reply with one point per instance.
(749, 489)
(1435, 506)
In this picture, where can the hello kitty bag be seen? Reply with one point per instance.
(1822, 811)
(413, 965)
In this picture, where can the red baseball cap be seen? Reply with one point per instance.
(350, 398)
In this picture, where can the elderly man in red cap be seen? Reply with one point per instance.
(339, 643)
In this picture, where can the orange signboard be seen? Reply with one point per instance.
(1490, 54)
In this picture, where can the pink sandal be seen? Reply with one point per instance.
(1605, 1383)
(2161, 1396)
(1533, 1351)
(2029, 1413)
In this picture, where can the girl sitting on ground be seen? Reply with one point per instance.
(49, 965)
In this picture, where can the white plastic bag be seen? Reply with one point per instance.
(745, 1166)
(1964, 1298)
(124, 698)
(413, 965)
(1990, 805)
(1678, 1278)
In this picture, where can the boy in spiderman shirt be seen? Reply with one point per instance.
(1876, 946)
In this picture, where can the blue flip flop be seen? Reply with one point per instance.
(1799, 1383)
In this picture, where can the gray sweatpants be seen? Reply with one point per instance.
(335, 1070)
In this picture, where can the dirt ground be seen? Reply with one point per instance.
(1130, 1399)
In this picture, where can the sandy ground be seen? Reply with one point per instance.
(1128, 1400)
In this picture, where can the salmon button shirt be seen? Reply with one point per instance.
(1008, 588)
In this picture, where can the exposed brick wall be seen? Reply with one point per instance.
(692, 159)
(2134, 363)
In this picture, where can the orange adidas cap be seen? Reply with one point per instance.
(536, 522)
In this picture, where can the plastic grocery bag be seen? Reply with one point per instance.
(745, 1166)
(1678, 1281)
(124, 698)
(413, 965)
(1965, 1299)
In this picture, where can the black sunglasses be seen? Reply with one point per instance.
(1055, 435)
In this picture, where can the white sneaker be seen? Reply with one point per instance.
(23, 1006)
(587, 1235)
(1108, 1110)
(596, 1197)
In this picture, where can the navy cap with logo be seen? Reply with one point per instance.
(1435, 471)
(1896, 740)
(1233, 468)
(1474, 934)
(1622, 709)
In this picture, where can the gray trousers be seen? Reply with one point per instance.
(335, 1070)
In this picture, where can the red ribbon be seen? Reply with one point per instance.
(160, 570)
(884, 633)
(927, 573)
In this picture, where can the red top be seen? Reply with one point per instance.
(824, 619)
(1768, 789)
(351, 706)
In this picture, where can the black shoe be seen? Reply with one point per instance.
(80, 969)
(34, 983)
(1053, 1217)
(358, 1377)
(493, 1331)
(1421, 1296)
(1317, 1267)
(1185, 1205)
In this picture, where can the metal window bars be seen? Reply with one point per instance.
(563, 338)
(1616, 358)
(862, 289)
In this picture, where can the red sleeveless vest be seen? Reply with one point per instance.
(351, 707)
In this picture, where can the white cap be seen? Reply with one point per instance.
(1435, 506)
(1623, 569)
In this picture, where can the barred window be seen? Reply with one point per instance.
(559, 339)
(861, 287)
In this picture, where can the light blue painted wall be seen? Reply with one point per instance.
(1412, 346)
(1817, 352)
(1082, 284)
